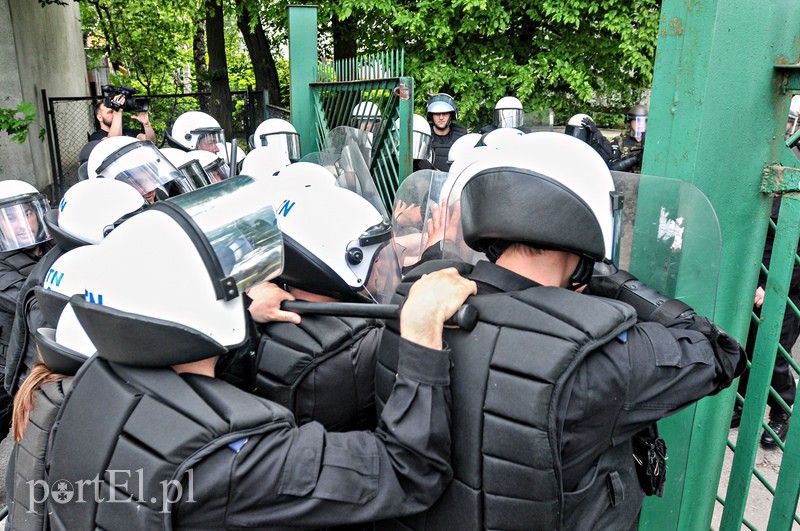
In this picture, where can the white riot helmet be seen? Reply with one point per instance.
(90, 210)
(192, 176)
(278, 134)
(502, 137)
(347, 255)
(576, 127)
(421, 139)
(556, 193)
(218, 241)
(366, 116)
(138, 163)
(216, 168)
(461, 146)
(226, 151)
(508, 112)
(196, 130)
(264, 161)
(304, 174)
(22, 213)
(103, 150)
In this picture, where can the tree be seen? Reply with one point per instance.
(221, 106)
(570, 55)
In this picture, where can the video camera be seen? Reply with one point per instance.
(131, 104)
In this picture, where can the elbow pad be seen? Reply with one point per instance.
(650, 305)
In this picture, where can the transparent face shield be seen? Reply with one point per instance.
(422, 146)
(287, 143)
(639, 127)
(238, 228)
(378, 270)
(195, 174)
(369, 124)
(140, 165)
(417, 206)
(22, 222)
(208, 138)
(217, 170)
(508, 117)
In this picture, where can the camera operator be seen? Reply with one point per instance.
(109, 120)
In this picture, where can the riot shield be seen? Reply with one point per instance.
(669, 238)
(416, 214)
(344, 158)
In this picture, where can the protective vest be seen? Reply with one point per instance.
(441, 145)
(131, 435)
(21, 354)
(22, 263)
(322, 369)
(506, 380)
(27, 507)
(627, 147)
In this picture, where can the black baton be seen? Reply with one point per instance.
(465, 318)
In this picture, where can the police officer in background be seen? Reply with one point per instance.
(508, 112)
(552, 384)
(206, 454)
(629, 145)
(24, 240)
(442, 110)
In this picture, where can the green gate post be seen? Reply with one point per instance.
(303, 72)
(713, 121)
(406, 112)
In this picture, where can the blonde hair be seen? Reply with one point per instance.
(23, 401)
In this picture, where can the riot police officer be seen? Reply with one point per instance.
(552, 384)
(24, 240)
(204, 453)
(629, 145)
(442, 111)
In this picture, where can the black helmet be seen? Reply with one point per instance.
(440, 103)
(636, 111)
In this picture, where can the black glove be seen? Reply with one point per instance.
(650, 305)
(627, 163)
(726, 351)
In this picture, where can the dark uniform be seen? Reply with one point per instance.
(21, 354)
(591, 378)
(241, 461)
(322, 369)
(15, 266)
(441, 145)
(100, 134)
(627, 153)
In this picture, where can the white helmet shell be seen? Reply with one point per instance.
(366, 116)
(196, 130)
(278, 134)
(226, 149)
(135, 281)
(176, 156)
(508, 102)
(461, 146)
(264, 162)
(503, 137)
(508, 112)
(90, 209)
(70, 334)
(103, 150)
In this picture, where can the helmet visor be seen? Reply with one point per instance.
(241, 228)
(140, 165)
(22, 222)
(287, 143)
(422, 146)
(208, 138)
(639, 126)
(508, 117)
(195, 173)
(217, 170)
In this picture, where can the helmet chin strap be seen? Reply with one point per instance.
(582, 274)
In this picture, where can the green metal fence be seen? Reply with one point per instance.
(370, 93)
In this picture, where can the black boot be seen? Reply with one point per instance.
(779, 422)
(736, 418)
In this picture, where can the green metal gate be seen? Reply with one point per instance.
(354, 92)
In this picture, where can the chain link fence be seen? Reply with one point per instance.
(72, 120)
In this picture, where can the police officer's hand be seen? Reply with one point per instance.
(432, 300)
(266, 305)
(588, 122)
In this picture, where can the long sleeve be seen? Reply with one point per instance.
(307, 477)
